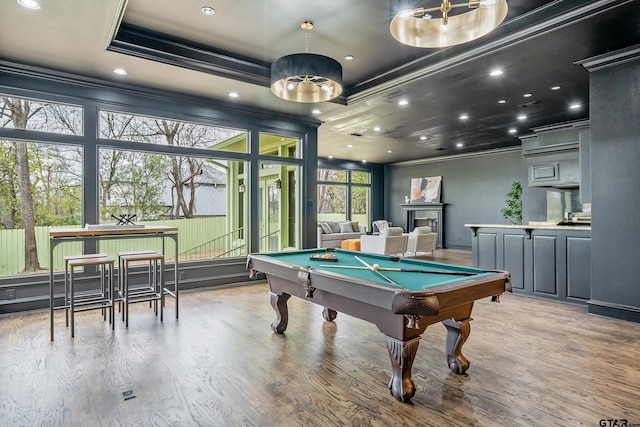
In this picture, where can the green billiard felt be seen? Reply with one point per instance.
(409, 280)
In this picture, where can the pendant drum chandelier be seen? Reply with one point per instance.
(306, 77)
(420, 27)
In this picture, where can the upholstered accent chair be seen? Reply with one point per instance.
(422, 239)
(390, 241)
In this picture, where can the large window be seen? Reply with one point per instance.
(40, 185)
(41, 116)
(153, 170)
(200, 191)
(278, 207)
(153, 130)
(344, 195)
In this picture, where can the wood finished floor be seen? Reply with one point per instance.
(533, 363)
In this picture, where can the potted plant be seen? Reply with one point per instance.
(513, 211)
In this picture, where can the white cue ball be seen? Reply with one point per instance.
(376, 266)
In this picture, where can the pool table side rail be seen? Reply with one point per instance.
(491, 284)
(376, 293)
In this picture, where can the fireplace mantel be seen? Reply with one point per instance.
(431, 214)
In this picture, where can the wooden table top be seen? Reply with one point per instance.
(112, 231)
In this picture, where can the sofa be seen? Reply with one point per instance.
(332, 233)
(390, 241)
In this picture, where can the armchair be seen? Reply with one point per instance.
(390, 241)
(422, 239)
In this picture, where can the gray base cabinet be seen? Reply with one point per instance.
(549, 262)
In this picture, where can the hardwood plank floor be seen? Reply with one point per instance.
(533, 363)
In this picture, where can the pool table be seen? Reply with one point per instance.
(400, 296)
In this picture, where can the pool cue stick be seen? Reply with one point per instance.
(402, 270)
(353, 267)
(375, 271)
(408, 270)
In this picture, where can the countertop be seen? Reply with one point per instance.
(533, 226)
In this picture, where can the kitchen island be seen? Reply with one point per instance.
(544, 259)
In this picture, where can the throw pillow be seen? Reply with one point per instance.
(381, 225)
(355, 226)
(346, 227)
(326, 229)
(335, 226)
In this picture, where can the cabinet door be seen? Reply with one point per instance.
(578, 267)
(514, 259)
(545, 264)
(487, 251)
(544, 173)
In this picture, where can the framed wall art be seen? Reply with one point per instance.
(425, 190)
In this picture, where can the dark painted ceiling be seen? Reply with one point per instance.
(171, 45)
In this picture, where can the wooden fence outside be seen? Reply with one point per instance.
(192, 233)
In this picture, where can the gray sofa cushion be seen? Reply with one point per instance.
(326, 228)
(346, 227)
(335, 226)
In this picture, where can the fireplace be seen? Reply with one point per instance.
(425, 214)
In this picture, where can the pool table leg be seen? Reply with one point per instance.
(402, 354)
(279, 304)
(457, 334)
(328, 314)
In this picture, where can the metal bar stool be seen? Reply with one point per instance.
(150, 291)
(103, 299)
(121, 276)
(66, 280)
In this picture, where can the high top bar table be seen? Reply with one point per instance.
(62, 235)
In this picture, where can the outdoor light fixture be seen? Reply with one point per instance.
(306, 77)
(420, 28)
(278, 183)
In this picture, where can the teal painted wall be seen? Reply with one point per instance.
(473, 189)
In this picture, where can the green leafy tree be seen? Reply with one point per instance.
(9, 205)
(18, 112)
(513, 211)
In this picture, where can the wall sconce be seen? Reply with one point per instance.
(278, 184)
(241, 188)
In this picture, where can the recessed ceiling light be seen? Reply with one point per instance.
(575, 106)
(208, 10)
(331, 157)
(349, 57)
(376, 129)
(350, 146)
(389, 151)
(234, 95)
(555, 87)
(120, 71)
(459, 145)
(29, 4)
(423, 138)
(522, 117)
(528, 95)
(502, 101)
(497, 72)
(316, 111)
(403, 102)
(513, 130)
(463, 116)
